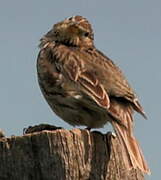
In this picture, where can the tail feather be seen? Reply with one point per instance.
(132, 154)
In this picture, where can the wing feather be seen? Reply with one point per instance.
(94, 89)
(88, 82)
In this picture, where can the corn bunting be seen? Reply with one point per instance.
(84, 87)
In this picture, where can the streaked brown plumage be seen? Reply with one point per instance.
(84, 87)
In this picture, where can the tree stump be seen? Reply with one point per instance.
(63, 155)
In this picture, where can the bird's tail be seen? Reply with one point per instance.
(132, 154)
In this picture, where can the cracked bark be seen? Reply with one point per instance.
(63, 155)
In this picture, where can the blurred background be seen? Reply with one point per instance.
(129, 32)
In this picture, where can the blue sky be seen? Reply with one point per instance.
(129, 32)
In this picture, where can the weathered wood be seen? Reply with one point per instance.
(63, 155)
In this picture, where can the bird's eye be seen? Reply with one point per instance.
(56, 33)
(86, 34)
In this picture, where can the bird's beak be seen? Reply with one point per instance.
(50, 34)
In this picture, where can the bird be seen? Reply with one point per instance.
(85, 88)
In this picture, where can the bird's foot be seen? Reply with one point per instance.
(88, 128)
(39, 128)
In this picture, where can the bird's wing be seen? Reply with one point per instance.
(120, 86)
(80, 68)
(87, 82)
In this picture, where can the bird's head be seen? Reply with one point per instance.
(73, 31)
